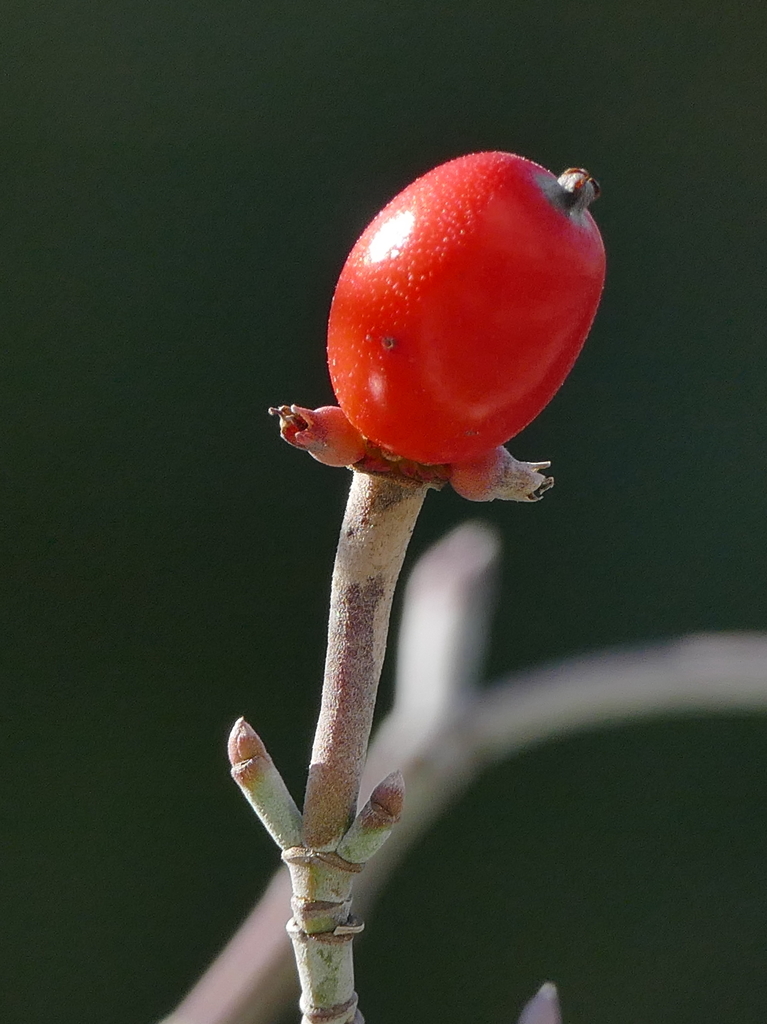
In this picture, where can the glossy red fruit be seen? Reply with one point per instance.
(464, 304)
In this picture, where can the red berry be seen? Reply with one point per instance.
(463, 306)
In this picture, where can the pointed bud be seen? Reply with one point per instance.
(244, 743)
(262, 785)
(387, 798)
(325, 433)
(372, 826)
(497, 474)
(543, 1008)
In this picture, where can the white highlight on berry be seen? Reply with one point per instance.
(387, 242)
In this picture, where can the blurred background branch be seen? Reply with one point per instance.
(443, 730)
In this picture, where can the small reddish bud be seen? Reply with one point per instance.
(244, 743)
(497, 474)
(387, 798)
(325, 433)
(374, 823)
(262, 785)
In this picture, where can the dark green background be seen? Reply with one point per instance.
(181, 182)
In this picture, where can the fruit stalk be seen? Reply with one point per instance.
(379, 521)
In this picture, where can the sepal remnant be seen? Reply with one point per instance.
(499, 475)
(325, 433)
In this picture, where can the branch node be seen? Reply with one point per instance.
(303, 856)
(320, 876)
(339, 1014)
(319, 917)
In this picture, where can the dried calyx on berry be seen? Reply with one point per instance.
(325, 433)
(329, 437)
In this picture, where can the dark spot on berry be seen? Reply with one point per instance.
(388, 342)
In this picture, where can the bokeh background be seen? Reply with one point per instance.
(181, 183)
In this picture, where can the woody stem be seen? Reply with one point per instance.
(379, 521)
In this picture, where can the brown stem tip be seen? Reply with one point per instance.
(389, 796)
(244, 743)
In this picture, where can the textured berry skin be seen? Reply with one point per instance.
(463, 306)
